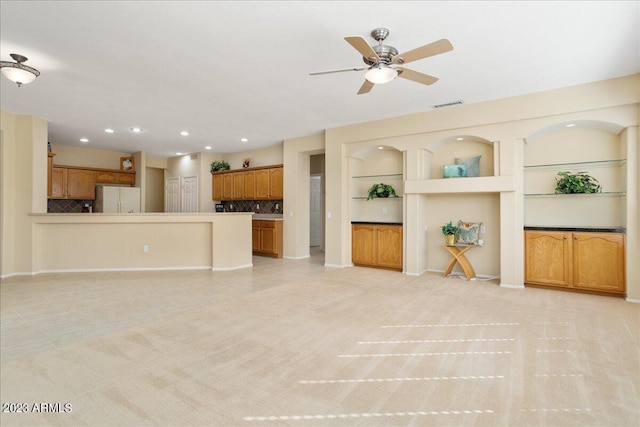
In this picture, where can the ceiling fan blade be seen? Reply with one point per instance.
(435, 48)
(316, 73)
(366, 87)
(415, 76)
(361, 45)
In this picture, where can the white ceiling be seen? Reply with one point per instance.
(226, 70)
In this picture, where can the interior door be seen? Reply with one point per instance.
(172, 195)
(190, 194)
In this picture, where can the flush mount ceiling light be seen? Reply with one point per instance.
(184, 133)
(17, 72)
(244, 140)
(109, 130)
(136, 130)
(381, 74)
(85, 140)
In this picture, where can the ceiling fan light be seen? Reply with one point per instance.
(17, 72)
(381, 74)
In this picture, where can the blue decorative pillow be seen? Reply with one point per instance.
(454, 171)
(469, 233)
(472, 163)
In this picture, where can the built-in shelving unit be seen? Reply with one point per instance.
(387, 209)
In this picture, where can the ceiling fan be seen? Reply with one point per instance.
(383, 61)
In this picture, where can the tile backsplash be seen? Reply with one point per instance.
(257, 206)
(67, 205)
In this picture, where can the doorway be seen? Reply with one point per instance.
(172, 195)
(315, 210)
(189, 194)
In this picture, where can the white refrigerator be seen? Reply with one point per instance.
(114, 199)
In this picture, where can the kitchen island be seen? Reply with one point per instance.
(144, 241)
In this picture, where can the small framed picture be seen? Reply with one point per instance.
(127, 164)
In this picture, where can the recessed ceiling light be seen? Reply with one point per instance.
(459, 139)
(381, 148)
(178, 154)
(208, 147)
(109, 130)
(570, 125)
(244, 140)
(184, 133)
(84, 140)
(136, 130)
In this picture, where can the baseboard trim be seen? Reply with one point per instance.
(100, 270)
(510, 286)
(240, 267)
(297, 257)
(632, 300)
(336, 265)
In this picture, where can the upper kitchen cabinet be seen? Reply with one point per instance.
(260, 183)
(77, 184)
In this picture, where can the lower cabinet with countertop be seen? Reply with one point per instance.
(581, 259)
(267, 237)
(377, 245)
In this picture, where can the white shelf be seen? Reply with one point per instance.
(603, 194)
(613, 162)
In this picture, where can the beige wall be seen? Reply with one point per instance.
(154, 194)
(261, 157)
(24, 187)
(85, 156)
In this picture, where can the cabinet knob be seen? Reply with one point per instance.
(575, 237)
(565, 237)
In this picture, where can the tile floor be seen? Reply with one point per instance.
(292, 343)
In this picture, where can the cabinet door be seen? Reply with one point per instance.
(389, 243)
(81, 184)
(255, 236)
(363, 244)
(262, 184)
(268, 241)
(548, 259)
(58, 183)
(217, 187)
(104, 177)
(238, 185)
(276, 183)
(250, 185)
(227, 186)
(126, 178)
(598, 261)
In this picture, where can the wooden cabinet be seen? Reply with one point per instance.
(111, 177)
(261, 183)
(217, 180)
(73, 184)
(267, 238)
(591, 261)
(377, 245)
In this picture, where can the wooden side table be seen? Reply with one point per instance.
(458, 252)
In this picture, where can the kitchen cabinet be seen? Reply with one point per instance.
(260, 183)
(577, 260)
(267, 238)
(49, 172)
(77, 184)
(377, 245)
(111, 177)
(217, 182)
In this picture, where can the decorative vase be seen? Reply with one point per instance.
(449, 239)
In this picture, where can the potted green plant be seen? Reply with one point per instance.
(449, 230)
(381, 190)
(219, 165)
(576, 183)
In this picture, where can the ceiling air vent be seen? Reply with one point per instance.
(448, 104)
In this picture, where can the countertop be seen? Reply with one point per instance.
(272, 217)
(576, 229)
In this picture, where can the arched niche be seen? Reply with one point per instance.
(445, 152)
(596, 125)
(574, 141)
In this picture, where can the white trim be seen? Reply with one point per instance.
(97, 270)
(17, 274)
(336, 265)
(232, 268)
(632, 300)
(510, 286)
(297, 257)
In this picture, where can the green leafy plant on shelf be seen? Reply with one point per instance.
(219, 165)
(380, 191)
(577, 183)
(449, 229)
